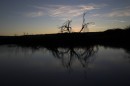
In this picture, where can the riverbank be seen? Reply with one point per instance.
(116, 37)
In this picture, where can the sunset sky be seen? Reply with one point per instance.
(45, 16)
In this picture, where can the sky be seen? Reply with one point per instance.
(45, 16)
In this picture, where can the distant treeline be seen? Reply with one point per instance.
(111, 36)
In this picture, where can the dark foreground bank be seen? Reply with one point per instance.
(111, 37)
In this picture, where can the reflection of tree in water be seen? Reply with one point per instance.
(127, 50)
(84, 54)
(68, 55)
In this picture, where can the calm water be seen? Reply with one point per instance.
(87, 66)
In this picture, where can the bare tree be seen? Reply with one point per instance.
(85, 25)
(66, 26)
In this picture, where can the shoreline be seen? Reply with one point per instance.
(117, 38)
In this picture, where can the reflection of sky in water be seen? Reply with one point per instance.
(26, 66)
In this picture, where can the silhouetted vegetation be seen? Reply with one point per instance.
(114, 30)
(85, 25)
(66, 27)
(127, 28)
(116, 37)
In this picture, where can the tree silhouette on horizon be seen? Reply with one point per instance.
(66, 26)
(85, 25)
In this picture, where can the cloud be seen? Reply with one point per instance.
(116, 12)
(69, 11)
(34, 14)
(122, 21)
(95, 15)
(121, 12)
(64, 11)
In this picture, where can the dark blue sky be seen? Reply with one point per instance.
(44, 16)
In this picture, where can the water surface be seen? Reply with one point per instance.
(73, 66)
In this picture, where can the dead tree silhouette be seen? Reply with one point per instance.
(66, 27)
(85, 25)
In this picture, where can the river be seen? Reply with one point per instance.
(73, 66)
